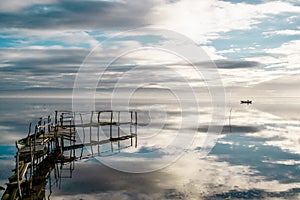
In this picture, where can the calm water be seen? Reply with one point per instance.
(257, 157)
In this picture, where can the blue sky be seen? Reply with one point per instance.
(43, 44)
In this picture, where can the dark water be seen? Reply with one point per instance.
(256, 156)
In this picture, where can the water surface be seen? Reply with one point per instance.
(257, 154)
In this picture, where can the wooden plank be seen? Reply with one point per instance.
(27, 148)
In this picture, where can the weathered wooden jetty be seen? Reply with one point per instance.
(54, 142)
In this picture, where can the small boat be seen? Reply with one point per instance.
(246, 102)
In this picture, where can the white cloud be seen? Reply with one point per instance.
(276, 7)
(71, 37)
(205, 20)
(282, 32)
(17, 5)
(207, 177)
(282, 58)
(284, 162)
(212, 52)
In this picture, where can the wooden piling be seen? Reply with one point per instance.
(18, 170)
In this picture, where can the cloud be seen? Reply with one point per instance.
(287, 49)
(189, 178)
(39, 68)
(234, 129)
(11, 6)
(233, 64)
(280, 87)
(284, 58)
(96, 177)
(61, 24)
(63, 15)
(282, 32)
(256, 194)
(204, 21)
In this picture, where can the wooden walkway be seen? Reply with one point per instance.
(40, 151)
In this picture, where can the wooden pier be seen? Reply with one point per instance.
(53, 142)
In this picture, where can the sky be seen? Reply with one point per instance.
(255, 44)
(170, 51)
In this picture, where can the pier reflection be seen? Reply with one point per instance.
(49, 152)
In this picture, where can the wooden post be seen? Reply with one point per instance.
(119, 130)
(83, 142)
(99, 113)
(130, 127)
(55, 120)
(50, 185)
(48, 121)
(82, 128)
(18, 171)
(31, 164)
(74, 133)
(98, 132)
(91, 121)
(44, 130)
(39, 124)
(98, 139)
(55, 130)
(34, 140)
(111, 120)
(61, 144)
(28, 138)
(70, 141)
(62, 119)
(136, 129)
(230, 120)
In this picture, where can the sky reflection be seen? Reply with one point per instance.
(252, 159)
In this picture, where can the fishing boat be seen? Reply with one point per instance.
(246, 102)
